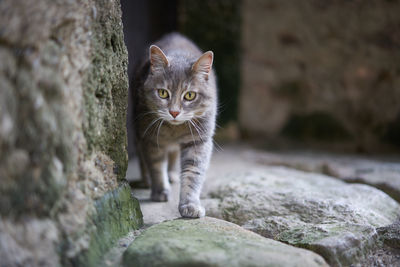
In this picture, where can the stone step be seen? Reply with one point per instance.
(212, 242)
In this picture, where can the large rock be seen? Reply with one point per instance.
(314, 211)
(382, 174)
(63, 96)
(211, 242)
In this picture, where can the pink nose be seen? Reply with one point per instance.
(174, 113)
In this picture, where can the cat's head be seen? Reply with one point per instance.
(179, 89)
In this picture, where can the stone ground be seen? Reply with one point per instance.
(324, 203)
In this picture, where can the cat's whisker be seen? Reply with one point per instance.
(195, 126)
(217, 146)
(143, 114)
(218, 126)
(194, 142)
(201, 126)
(197, 130)
(222, 107)
(150, 125)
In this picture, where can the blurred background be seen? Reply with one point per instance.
(300, 74)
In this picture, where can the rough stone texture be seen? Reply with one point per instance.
(337, 220)
(31, 243)
(382, 173)
(391, 234)
(385, 256)
(321, 72)
(105, 87)
(116, 214)
(211, 242)
(63, 95)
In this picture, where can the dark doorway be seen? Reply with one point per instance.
(144, 22)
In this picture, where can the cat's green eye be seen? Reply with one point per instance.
(190, 96)
(163, 93)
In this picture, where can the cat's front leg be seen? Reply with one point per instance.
(156, 159)
(174, 167)
(195, 157)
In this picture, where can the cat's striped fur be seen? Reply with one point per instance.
(170, 148)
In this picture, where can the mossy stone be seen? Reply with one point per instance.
(211, 242)
(105, 90)
(116, 214)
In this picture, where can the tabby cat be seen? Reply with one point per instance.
(175, 106)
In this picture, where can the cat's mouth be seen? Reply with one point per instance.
(176, 122)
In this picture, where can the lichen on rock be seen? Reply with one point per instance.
(105, 87)
(211, 242)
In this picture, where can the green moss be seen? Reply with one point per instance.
(297, 237)
(116, 214)
(315, 126)
(106, 92)
(208, 242)
(215, 25)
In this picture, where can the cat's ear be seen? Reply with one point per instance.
(203, 65)
(158, 60)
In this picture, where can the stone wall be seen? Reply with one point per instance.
(63, 97)
(322, 72)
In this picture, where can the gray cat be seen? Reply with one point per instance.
(175, 105)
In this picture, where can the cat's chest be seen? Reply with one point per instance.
(165, 134)
(177, 133)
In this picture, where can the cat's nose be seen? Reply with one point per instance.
(174, 113)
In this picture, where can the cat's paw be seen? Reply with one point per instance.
(191, 210)
(160, 196)
(173, 177)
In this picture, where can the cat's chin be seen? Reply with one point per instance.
(175, 122)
